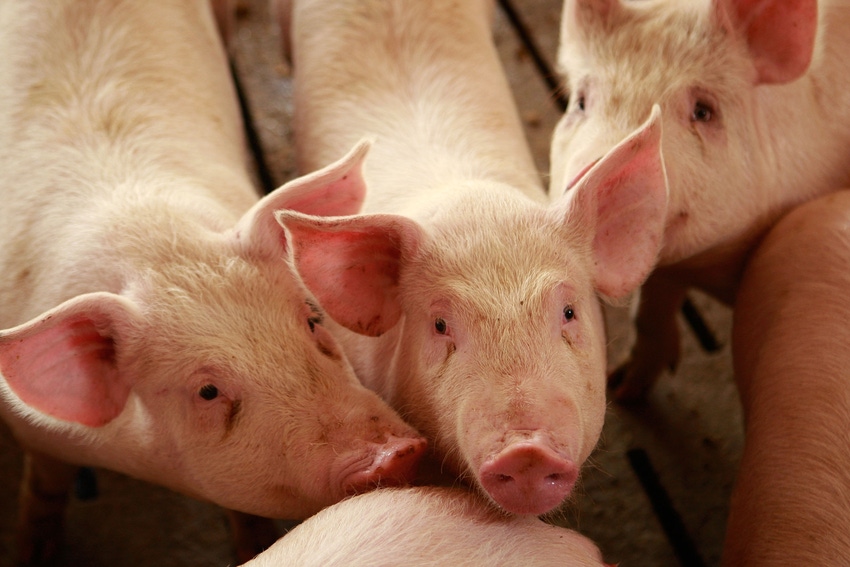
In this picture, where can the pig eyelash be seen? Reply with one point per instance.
(316, 316)
(569, 313)
(208, 392)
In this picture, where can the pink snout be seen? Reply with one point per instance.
(528, 477)
(394, 463)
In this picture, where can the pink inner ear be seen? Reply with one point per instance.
(781, 36)
(354, 274)
(66, 370)
(624, 198)
(340, 197)
(335, 190)
(629, 230)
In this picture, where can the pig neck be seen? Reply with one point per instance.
(105, 144)
(437, 103)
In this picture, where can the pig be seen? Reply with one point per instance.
(426, 526)
(791, 347)
(151, 323)
(459, 293)
(756, 104)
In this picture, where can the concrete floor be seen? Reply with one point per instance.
(655, 492)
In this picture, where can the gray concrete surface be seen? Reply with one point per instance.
(690, 429)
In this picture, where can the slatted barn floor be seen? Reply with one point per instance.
(656, 490)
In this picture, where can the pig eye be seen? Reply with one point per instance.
(580, 102)
(315, 317)
(208, 392)
(702, 112)
(440, 326)
(569, 313)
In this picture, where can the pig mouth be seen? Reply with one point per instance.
(393, 463)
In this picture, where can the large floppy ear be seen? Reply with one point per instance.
(353, 264)
(621, 204)
(335, 190)
(66, 364)
(780, 34)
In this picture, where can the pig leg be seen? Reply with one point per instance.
(791, 347)
(251, 534)
(44, 497)
(657, 342)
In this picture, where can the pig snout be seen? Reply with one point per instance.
(528, 476)
(392, 463)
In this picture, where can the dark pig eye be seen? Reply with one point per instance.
(569, 313)
(315, 317)
(208, 392)
(580, 102)
(702, 112)
(440, 326)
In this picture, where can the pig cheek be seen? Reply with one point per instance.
(586, 381)
(572, 336)
(219, 415)
(438, 351)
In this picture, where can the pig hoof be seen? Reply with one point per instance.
(526, 478)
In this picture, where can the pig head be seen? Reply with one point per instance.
(211, 372)
(754, 97)
(484, 330)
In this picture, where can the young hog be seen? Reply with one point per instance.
(427, 526)
(791, 345)
(467, 302)
(151, 323)
(756, 104)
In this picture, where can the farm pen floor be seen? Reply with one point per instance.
(655, 492)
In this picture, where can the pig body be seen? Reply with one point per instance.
(473, 304)
(426, 526)
(151, 324)
(791, 346)
(756, 104)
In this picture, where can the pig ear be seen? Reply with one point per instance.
(65, 362)
(353, 265)
(780, 34)
(335, 190)
(622, 200)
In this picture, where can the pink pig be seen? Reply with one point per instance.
(151, 322)
(467, 301)
(791, 345)
(755, 97)
(426, 526)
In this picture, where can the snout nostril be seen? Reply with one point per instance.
(504, 478)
